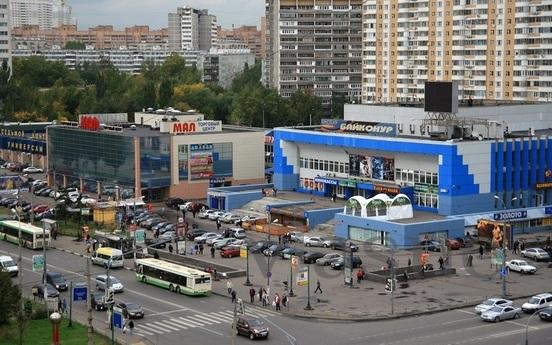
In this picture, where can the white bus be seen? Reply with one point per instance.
(176, 278)
(31, 235)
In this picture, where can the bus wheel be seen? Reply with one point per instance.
(171, 288)
(177, 290)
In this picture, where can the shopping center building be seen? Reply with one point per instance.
(161, 154)
(24, 143)
(491, 162)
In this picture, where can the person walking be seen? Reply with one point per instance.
(409, 262)
(515, 248)
(170, 248)
(130, 327)
(201, 248)
(359, 276)
(284, 300)
(233, 294)
(64, 306)
(252, 294)
(481, 252)
(218, 224)
(213, 252)
(261, 294)
(318, 288)
(265, 298)
(441, 263)
(277, 302)
(470, 260)
(60, 307)
(229, 286)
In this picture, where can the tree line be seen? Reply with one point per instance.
(42, 90)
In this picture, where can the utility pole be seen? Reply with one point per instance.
(89, 303)
(44, 271)
(392, 280)
(234, 327)
(19, 265)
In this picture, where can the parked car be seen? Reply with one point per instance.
(191, 235)
(247, 219)
(131, 310)
(500, 313)
(535, 254)
(296, 236)
(260, 246)
(327, 259)
(238, 233)
(98, 300)
(314, 241)
(167, 227)
(224, 242)
(453, 244)
(431, 245)
(274, 250)
(48, 214)
(37, 191)
(33, 170)
(206, 236)
(167, 235)
(251, 327)
(45, 192)
(7, 264)
(311, 257)
(520, 266)
(57, 280)
(491, 302)
(205, 214)
(546, 314)
(340, 244)
(291, 251)
(537, 302)
(40, 208)
(214, 239)
(339, 264)
(174, 202)
(160, 225)
(114, 283)
(229, 218)
(38, 291)
(215, 215)
(230, 251)
(149, 223)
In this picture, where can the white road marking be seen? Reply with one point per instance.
(192, 322)
(222, 316)
(206, 319)
(148, 329)
(165, 325)
(167, 312)
(183, 325)
(466, 312)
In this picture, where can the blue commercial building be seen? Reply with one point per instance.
(453, 173)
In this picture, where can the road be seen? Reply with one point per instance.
(171, 319)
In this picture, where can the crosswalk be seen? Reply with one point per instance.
(200, 320)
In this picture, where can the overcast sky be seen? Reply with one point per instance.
(121, 13)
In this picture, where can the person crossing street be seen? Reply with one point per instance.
(318, 288)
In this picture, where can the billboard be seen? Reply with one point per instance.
(204, 126)
(201, 161)
(12, 182)
(441, 97)
(379, 168)
(495, 233)
(360, 127)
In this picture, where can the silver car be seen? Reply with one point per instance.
(327, 259)
(490, 303)
(535, 254)
(114, 283)
(497, 313)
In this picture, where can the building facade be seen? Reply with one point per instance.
(47, 14)
(220, 67)
(5, 36)
(130, 61)
(496, 50)
(161, 155)
(492, 174)
(314, 46)
(101, 37)
(24, 143)
(192, 29)
(248, 36)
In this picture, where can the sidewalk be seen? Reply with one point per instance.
(369, 300)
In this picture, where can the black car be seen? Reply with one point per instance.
(131, 310)
(195, 233)
(274, 250)
(311, 257)
(45, 192)
(97, 299)
(431, 245)
(340, 244)
(48, 214)
(38, 291)
(57, 280)
(251, 327)
(167, 227)
(291, 251)
(260, 246)
(546, 314)
(174, 202)
(339, 264)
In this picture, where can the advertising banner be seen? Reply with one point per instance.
(38, 263)
(497, 233)
(303, 277)
(201, 161)
(12, 182)
(140, 236)
(379, 168)
(360, 127)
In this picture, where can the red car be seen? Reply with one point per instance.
(230, 252)
(40, 208)
(453, 244)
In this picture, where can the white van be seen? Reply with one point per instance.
(7, 264)
(107, 256)
(537, 302)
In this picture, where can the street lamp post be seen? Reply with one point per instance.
(19, 265)
(247, 281)
(527, 327)
(503, 266)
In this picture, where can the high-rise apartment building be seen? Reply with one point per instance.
(314, 46)
(46, 14)
(248, 36)
(192, 29)
(5, 45)
(495, 49)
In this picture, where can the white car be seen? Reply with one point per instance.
(296, 236)
(206, 236)
(492, 302)
(327, 259)
(229, 218)
(205, 214)
(168, 235)
(8, 265)
(314, 241)
(88, 201)
(224, 242)
(32, 170)
(212, 240)
(114, 283)
(535, 254)
(215, 215)
(500, 313)
(520, 266)
(537, 302)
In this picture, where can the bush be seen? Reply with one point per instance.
(39, 313)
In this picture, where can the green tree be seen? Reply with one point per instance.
(10, 298)
(75, 45)
(165, 92)
(338, 104)
(307, 109)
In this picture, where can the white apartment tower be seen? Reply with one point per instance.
(314, 46)
(5, 45)
(46, 14)
(192, 29)
(495, 49)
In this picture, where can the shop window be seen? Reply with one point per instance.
(183, 162)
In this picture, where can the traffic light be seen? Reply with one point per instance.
(390, 285)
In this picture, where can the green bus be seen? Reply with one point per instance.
(176, 278)
(31, 235)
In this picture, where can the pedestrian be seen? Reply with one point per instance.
(405, 275)
(522, 245)
(170, 248)
(88, 245)
(213, 252)
(470, 260)
(124, 326)
(252, 294)
(215, 274)
(194, 213)
(94, 244)
(334, 197)
(409, 262)
(260, 294)
(359, 276)
(422, 271)
(274, 191)
(233, 296)
(277, 302)
(318, 288)
(218, 224)
(284, 300)
(130, 327)
(229, 286)
(201, 248)
(156, 255)
(196, 249)
(265, 299)
(280, 239)
(441, 263)
(481, 252)
(64, 305)
(516, 246)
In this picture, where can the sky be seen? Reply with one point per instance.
(122, 13)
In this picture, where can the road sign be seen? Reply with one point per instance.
(504, 271)
(499, 256)
(117, 317)
(243, 251)
(303, 276)
(140, 236)
(38, 262)
(180, 219)
(294, 261)
(268, 274)
(348, 275)
(80, 292)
